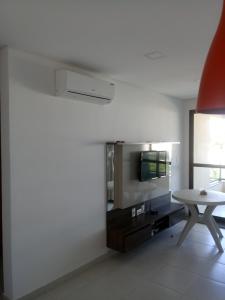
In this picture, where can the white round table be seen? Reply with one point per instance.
(192, 198)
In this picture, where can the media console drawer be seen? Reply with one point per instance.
(125, 233)
(134, 239)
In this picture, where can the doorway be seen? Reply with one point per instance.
(207, 155)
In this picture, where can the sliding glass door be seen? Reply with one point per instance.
(207, 154)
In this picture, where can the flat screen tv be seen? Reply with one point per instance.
(152, 165)
(162, 164)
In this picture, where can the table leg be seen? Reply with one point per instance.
(210, 223)
(190, 223)
(217, 228)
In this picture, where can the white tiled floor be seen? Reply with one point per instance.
(156, 271)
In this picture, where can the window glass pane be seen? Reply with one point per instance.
(214, 175)
(209, 139)
(223, 174)
(208, 178)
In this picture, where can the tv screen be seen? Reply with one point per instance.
(162, 164)
(162, 169)
(152, 165)
(162, 156)
(149, 156)
(148, 170)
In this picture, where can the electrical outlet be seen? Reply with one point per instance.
(133, 212)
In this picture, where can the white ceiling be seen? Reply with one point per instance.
(112, 37)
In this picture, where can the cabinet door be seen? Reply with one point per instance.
(134, 239)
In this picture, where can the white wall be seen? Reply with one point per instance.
(57, 201)
(5, 164)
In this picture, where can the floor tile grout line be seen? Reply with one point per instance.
(198, 274)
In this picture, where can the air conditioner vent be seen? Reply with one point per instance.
(83, 87)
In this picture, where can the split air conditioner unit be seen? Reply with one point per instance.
(82, 87)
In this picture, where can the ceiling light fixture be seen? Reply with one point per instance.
(211, 96)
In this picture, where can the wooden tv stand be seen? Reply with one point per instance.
(125, 232)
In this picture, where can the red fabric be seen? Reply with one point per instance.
(211, 97)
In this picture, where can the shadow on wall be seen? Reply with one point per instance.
(34, 75)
